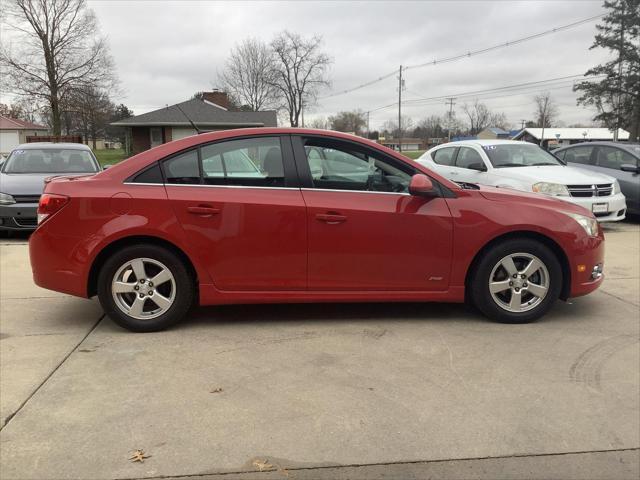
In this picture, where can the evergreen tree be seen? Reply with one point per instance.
(616, 95)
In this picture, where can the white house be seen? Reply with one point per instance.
(13, 132)
(568, 136)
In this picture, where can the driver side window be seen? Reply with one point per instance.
(342, 166)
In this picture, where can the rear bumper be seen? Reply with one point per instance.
(19, 216)
(57, 263)
(616, 206)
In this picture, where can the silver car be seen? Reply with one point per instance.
(620, 160)
(23, 173)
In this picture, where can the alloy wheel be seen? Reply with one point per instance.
(519, 282)
(143, 288)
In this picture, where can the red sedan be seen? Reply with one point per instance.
(293, 215)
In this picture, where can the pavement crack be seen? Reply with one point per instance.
(380, 464)
(46, 379)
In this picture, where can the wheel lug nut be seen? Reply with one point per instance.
(511, 284)
(515, 275)
(141, 295)
(523, 276)
(150, 284)
(150, 292)
(525, 285)
(136, 287)
(142, 281)
(517, 289)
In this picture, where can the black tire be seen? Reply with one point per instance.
(184, 288)
(480, 293)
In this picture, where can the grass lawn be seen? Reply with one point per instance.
(109, 157)
(414, 154)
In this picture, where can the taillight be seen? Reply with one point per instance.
(49, 204)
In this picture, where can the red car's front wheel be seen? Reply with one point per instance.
(145, 288)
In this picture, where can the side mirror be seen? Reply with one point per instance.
(627, 167)
(421, 186)
(480, 167)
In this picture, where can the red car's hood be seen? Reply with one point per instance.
(510, 195)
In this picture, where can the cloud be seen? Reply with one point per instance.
(166, 51)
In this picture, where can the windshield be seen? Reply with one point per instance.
(520, 155)
(50, 160)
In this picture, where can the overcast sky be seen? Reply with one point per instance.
(165, 51)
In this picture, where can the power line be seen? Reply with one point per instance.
(570, 79)
(507, 44)
(467, 54)
(547, 84)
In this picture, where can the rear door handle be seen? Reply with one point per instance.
(330, 218)
(203, 210)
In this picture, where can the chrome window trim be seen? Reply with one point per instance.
(262, 188)
(306, 189)
(208, 186)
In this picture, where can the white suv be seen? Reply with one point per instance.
(525, 166)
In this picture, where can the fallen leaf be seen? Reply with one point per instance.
(262, 465)
(216, 390)
(139, 456)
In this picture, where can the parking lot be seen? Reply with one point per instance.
(323, 391)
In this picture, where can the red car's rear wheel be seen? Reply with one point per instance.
(145, 288)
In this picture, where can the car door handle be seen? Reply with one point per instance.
(331, 218)
(203, 210)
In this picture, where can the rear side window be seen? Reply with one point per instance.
(183, 168)
(248, 162)
(151, 174)
(581, 155)
(444, 156)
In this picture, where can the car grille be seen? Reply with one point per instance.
(601, 190)
(26, 221)
(26, 198)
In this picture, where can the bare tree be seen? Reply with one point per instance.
(319, 122)
(390, 127)
(480, 117)
(249, 77)
(546, 110)
(57, 50)
(300, 71)
(350, 122)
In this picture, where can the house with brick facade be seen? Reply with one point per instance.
(210, 112)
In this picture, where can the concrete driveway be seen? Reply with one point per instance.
(322, 391)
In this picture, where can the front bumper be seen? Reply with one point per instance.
(616, 206)
(19, 216)
(587, 264)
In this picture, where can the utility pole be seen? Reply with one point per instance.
(522, 124)
(544, 119)
(400, 85)
(368, 131)
(451, 103)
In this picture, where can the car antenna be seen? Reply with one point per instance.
(187, 117)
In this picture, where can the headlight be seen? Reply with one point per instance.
(6, 199)
(551, 189)
(589, 224)
(616, 187)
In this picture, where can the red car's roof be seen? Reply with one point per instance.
(139, 161)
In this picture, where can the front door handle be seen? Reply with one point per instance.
(203, 210)
(330, 218)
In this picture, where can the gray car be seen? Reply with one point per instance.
(617, 159)
(23, 173)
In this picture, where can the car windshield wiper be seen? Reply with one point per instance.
(507, 165)
(542, 164)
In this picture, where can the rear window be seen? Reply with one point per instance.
(50, 160)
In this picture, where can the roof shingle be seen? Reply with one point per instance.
(203, 114)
